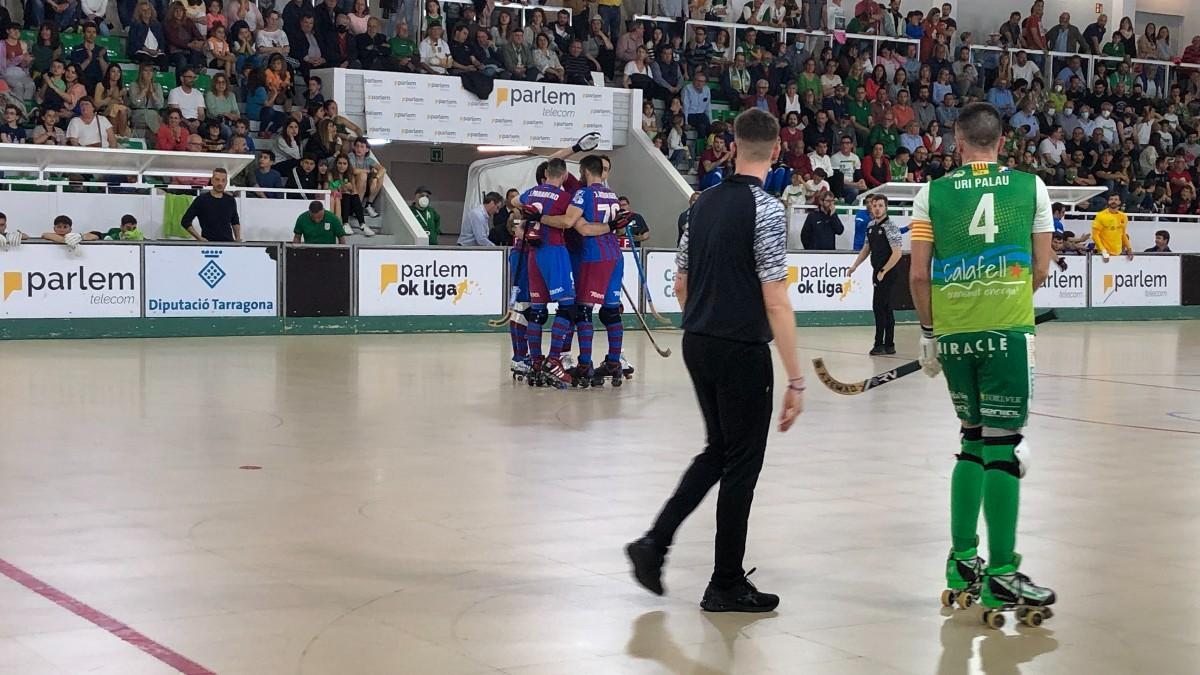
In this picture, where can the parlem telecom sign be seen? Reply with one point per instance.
(436, 109)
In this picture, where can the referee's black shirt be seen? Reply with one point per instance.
(735, 241)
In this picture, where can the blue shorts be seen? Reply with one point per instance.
(519, 269)
(600, 282)
(550, 274)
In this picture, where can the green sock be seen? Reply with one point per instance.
(1001, 494)
(966, 492)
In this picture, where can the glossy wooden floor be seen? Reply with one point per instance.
(417, 513)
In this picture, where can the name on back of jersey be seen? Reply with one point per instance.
(981, 182)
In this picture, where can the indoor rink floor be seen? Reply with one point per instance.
(395, 504)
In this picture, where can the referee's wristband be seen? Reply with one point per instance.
(796, 384)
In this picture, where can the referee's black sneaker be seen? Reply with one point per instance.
(647, 558)
(742, 597)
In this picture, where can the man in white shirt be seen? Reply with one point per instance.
(835, 17)
(819, 158)
(89, 129)
(187, 99)
(846, 160)
(1106, 123)
(1053, 148)
(1023, 68)
(273, 40)
(435, 53)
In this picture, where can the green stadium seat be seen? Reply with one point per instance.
(70, 41)
(203, 82)
(115, 46)
(166, 81)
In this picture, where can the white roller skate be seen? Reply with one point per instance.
(626, 367)
(520, 369)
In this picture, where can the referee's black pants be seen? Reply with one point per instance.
(885, 316)
(734, 383)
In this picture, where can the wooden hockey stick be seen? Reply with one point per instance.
(855, 388)
(642, 320)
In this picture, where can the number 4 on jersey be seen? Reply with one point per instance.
(984, 220)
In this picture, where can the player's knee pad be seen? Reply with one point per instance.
(520, 313)
(568, 312)
(610, 315)
(970, 434)
(1018, 465)
(585, 314)
(538, 314)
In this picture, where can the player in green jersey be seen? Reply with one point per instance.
(980, 246)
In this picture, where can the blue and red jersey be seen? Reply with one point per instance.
(551, 201)
(599, 205)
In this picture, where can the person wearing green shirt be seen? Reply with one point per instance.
(128, 231)
(859, 110)
(426, 215)
(318, 226)
(899, 166)
(403, 48)
(887, 134)
(981, 245)
(1116, 48)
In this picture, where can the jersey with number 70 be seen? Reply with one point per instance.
(599, 205)
(980, 219)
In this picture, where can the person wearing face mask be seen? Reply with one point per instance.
(426, 215)
(1107, 124)
(1086, 120)
(1067, 119)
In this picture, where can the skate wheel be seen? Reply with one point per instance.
(1033, 618)
(1047, 613)
(964, 600)
(993, 619)
(616, 382)
(947, 598)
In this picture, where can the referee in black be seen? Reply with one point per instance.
(732, 284)
(883, 246)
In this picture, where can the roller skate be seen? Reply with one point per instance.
(520, 369)
(554, 375)
(626, 367)
(1004, 589)
(534, 377)
(610, 370)
(964, 574)
(581, 375)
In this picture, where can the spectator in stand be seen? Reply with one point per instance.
(460, 52)
(90, 57)
(630, 42)
(112, 100)
(886, 134)
(667, 75)
(318, 226)
(1191, 53)
(1025, 117)
(715, 162)
(485, 57)
(876, 167)
(62, 233)
(599, 48)
(273, 40)
(12, 131)
(1065, 37)
(697, 105)
(762, 99)
(700, 54)
(188, 100)
(303, 46)
(517, 56)
(1093, 35)
(545, 61)
(1162, 242)
(172, 136)
(577, 68)
(305, 176)
(265, 176)
(216, 212)
(185, 44)
(90, 130)
(847, 168)
(404, 50)
(736, 82)
(822, 225)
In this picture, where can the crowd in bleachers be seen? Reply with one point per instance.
(856, 109)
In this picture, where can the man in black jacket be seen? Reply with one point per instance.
(341, 50)
(822, 226)
(373, 48)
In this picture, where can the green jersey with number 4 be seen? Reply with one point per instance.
(980, 219)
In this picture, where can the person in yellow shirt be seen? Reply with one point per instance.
(1109, 230)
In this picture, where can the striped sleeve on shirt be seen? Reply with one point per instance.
(770, 237)
(681, 256)
(921, 229)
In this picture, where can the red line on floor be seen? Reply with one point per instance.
(78, 608)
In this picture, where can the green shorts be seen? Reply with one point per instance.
(990, 376)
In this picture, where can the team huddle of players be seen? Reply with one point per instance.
(567, 252)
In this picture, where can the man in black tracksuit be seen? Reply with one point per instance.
(883, 245)
(822, 226)
(732, 284)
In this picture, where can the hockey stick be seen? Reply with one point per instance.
(642, 320)
(855, 388)
(512, 296)
(642, 276)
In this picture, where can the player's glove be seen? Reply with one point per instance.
(13, 239)
(929, 360)
(4, 243)
(587, 142)
(73, 239)
(620, 221)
